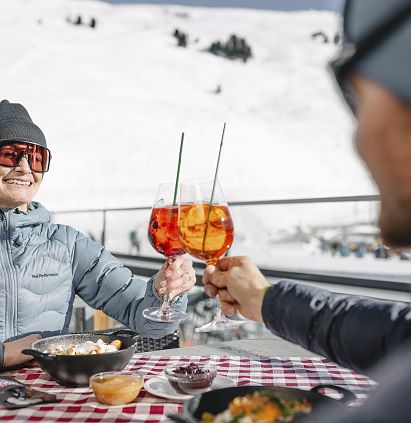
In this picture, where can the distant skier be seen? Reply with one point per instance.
(381, 252)
(360, 250)
(134, 242)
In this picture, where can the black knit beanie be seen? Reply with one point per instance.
(16, 125)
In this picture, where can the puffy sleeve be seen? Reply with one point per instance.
(106, 284)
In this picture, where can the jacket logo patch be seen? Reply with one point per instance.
(44, 275)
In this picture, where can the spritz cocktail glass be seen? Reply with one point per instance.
(206, 232)
(163, 236)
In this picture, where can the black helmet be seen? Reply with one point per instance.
(377, 44)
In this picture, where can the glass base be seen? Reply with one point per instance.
(157, 314)
(220, 324)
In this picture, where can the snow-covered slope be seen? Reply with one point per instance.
(114, 100)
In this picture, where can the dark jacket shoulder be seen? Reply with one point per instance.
(353, 331)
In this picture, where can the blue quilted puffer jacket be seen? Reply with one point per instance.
(43, 265)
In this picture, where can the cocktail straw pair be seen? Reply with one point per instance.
(214, 181)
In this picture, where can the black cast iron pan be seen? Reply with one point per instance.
(75, 370)
(217, 401)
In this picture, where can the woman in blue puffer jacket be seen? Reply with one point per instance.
(43, 265)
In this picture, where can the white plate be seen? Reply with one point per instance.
(160, 387)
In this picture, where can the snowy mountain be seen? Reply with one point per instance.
(113, 100)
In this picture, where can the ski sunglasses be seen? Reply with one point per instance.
(38, 157)
(352, 51)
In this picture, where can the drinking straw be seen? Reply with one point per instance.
(178, 168)
(218, 163)
(214, 184)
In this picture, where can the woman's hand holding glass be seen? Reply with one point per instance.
(176, 278)
(176, 274)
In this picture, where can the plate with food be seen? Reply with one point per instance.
(184, 382)
(160, 387)
(259, 404)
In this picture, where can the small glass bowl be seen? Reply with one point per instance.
(197, 377)
(113, 388)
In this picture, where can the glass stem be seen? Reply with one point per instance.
(165, 305)
(218, 312)
(219, 317)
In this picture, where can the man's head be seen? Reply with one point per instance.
(24, 156)
(374, 73)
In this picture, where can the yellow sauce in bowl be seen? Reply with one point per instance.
(113, 388)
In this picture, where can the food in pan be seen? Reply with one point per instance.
(259, 407)
(85, 348)
(115, 388)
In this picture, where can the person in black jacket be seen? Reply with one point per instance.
(373, 72)
(353, 331)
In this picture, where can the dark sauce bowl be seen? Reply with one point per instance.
(186, 379)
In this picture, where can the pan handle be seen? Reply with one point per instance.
(181, 418)
(123, 332)
(347, 396)
(176, 418)
(38, 354)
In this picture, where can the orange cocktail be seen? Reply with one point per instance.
(206, 231)
(163, 231)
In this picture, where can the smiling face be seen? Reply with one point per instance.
(383, 140)
(18, 185)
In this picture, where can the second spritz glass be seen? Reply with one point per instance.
(164, 238)
(206, 232)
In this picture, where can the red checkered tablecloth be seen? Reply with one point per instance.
(79, 404)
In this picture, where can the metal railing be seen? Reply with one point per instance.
(308, 200)
(147, 265)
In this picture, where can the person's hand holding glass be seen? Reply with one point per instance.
(206, 232)
(177, 274)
